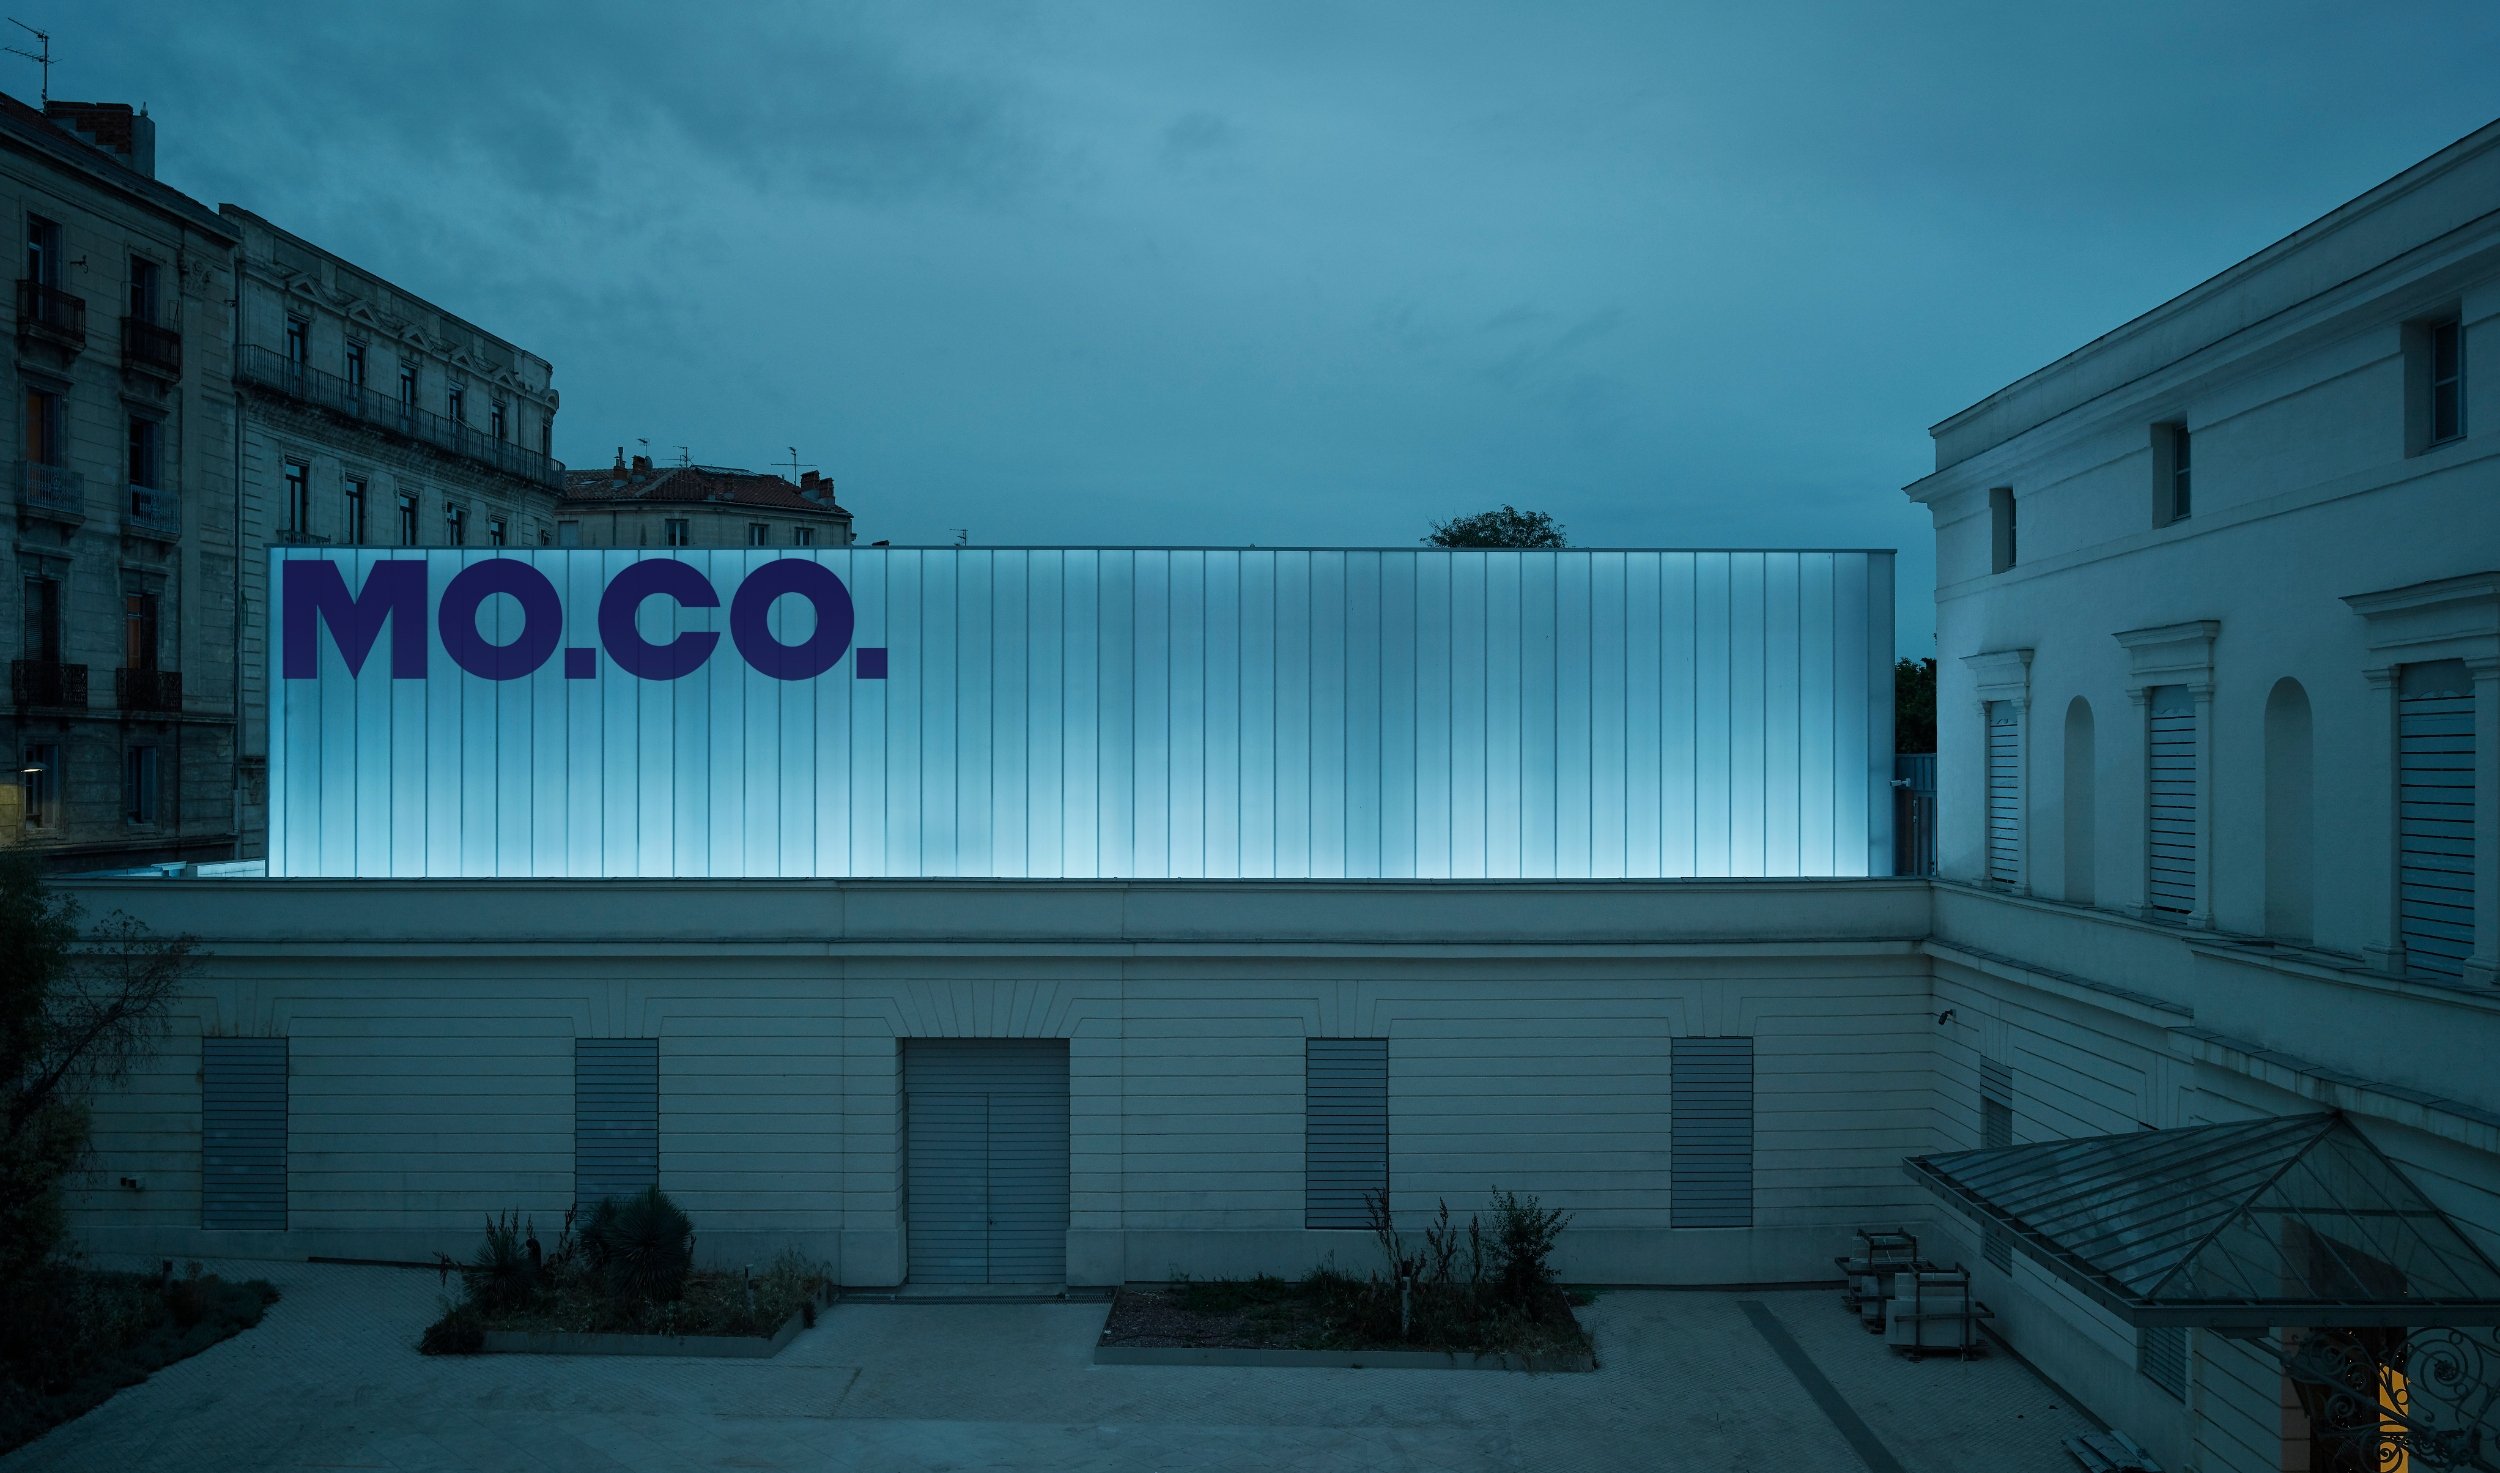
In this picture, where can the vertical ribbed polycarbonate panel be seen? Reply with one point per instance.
(1096, 713)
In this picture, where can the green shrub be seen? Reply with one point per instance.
(461, 1331)
(641, 1247)
(1524, 1238)
(505, 1273)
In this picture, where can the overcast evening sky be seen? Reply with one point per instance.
(1279, 273)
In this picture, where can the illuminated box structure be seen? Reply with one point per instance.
(1080, 713)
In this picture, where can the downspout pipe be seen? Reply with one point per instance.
(234, 348)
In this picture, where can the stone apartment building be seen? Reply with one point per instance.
(370, 417)
(122, 708)
(634, 504)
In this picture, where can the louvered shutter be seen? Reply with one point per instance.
(2161, 1358)
(2435, 816)
(1996, 1128)
(616, 1117)
(243, 1111)
(1711, 1164)
(1345, 1130)
(2005, 794)
(2170, 830)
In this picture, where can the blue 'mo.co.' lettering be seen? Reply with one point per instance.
(650, 578)
(750, 624)
(314, 592)
(542, 619)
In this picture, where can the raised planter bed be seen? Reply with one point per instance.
(556, 1342)
(1271, 1323)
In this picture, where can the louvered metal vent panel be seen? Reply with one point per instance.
(1345, 1140)
(2005, 794)
(986, 1123)
(2161, 1358)
(243, 1115)
(1996, 1128)
(2435, 816)
(2170, 834)
(1711, 1182)
(616, 1117)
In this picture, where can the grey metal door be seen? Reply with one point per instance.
(986, 1141)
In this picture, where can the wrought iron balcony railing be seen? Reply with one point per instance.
(48, 311)
(147, 690)
(273, 370)
(154, 510)
(151, 348)
(48, 683)
(52, 487)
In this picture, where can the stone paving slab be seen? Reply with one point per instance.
(331, 1380)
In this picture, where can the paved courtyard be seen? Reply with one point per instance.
(1718, 1380)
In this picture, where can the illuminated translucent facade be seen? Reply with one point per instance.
(1085, 714)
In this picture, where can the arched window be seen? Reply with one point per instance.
(2289, 847)
(2081, 797)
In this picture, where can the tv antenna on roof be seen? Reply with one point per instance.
(42, 59)
(963, 536)
(683, 458)
(795, 463)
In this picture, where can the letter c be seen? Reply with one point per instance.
(649, 578)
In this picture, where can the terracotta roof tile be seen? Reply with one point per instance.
(698, 483)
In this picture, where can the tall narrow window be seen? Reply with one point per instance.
(139, 784)
(141, 632)
(407, 386)
(2005, 794)
(352, 531)
(43, 427)
(296, 489)
(298, 342)
(547, 437)
(1710, 1169)
(456, 405)
(678, 535)
(1996, 1130)
(38, 778)
(243, 1116)
(2447, 375)
(2171, 469)
(759, 533)
(455, 526)
(2001, 529)
(2171, 838)
(408, 519)
(1345, 1130)
(616, 1117)
(2435, 816)
(43, 619)
(496, 534)
(802, 536)
(147, 452)
(495, 418)
(355, 365)
(43, 251)
(144, 290)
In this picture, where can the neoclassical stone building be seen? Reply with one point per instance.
(121, 714)
(635, 504)
(370, 417)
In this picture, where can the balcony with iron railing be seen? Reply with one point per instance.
(52, 314)
(153, 512)
(151, 349)
(48, 683)
(147, 690)
(272, 370)
(55, 490)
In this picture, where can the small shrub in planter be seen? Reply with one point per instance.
(642, 1247)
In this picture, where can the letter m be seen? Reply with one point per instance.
(314, 592)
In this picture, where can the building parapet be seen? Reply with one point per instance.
(268, 369)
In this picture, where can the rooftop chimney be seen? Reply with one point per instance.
(111, 126)
(642, 463)
(807, 479)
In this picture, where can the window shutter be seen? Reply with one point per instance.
(2435, 817)
(2005, 794)
(616, 1117)
(1345, 1145)
(2170, 832)
(1996, 1128)
(243, 1085)
(1711, 1181)
(2161, 1358)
